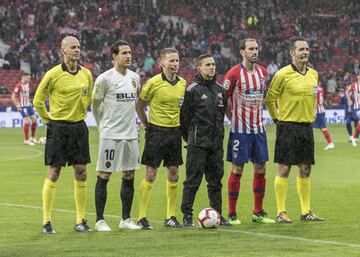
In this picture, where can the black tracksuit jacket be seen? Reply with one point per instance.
(202, 114)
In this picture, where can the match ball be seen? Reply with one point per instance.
(42, 140)
(209, 218)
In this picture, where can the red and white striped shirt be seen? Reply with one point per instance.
(23, 92)
(320, 100)
(354, 92)
(246, 92)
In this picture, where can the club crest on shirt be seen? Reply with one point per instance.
(85, 91)
(226, 84)
(133, 82)
(107, 164)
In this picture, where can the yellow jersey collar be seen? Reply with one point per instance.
(171, 82)
(296, 69)
(65, 68)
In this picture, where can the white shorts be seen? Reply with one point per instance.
(118, 155)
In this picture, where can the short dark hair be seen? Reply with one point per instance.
(115, 46)
(201, 58)
(293, 40)
(166, 51)
(243, 42)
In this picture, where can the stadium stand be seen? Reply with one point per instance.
(33, 29)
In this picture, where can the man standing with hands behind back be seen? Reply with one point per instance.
(68, 87)
(164, 93)
(114, 112)
(294, 89)
(246, 84)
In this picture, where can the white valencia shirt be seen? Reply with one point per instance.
(113, 104)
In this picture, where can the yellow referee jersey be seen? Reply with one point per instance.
(294, 93)
(165, 100)
(69, 94)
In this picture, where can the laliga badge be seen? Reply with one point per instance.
(226, 84)
(133, 82)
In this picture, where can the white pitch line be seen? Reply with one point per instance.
(293, 238)
(38, 153)
(302, 239)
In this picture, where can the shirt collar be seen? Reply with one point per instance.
(65, 68)
(296, 69)
(163, 76)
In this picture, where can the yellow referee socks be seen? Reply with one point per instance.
(171, 190)
(281, 188)
(145, 191)
(80, 199)
(48, 195)
(303, 188)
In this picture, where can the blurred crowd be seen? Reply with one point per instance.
(34, 29)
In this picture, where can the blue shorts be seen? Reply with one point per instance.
(244, 147)
(27, 111)
(320, 121)
(352, 116)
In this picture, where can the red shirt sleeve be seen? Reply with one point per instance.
(231, 79)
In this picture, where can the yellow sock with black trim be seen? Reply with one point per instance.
(303, 188)
(281, 188)
(48, 195)
(171, 190)
(80, 199)
(145, 192)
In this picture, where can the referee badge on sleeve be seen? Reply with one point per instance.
(315, 90)
(85, 91)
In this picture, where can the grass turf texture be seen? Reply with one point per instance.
(334, 196)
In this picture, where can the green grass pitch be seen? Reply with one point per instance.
(334, 196)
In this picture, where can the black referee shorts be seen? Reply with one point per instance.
(67, 143)
(162, 144)
(294, 143)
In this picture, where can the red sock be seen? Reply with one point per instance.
(233, 190)
(26, 131)
(33, 129)
(259, 183)
(327, 136)
(357, 131)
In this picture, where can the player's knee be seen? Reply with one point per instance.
(238, 170)
(80, 172)
(150, 176)
(104, 175)
(173, 170)
(53, 173)
(128, 175)
(305, 171)
(173, 174)
(283, 170)
(260, 169)
(214, 187)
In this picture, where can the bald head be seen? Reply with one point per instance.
(70, 48)
(68, 40)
